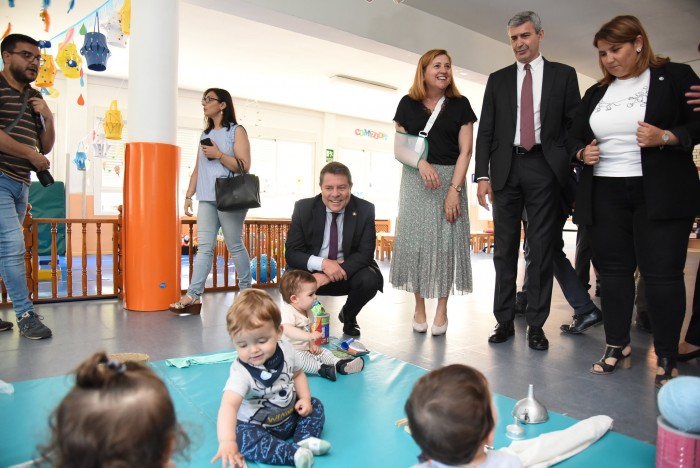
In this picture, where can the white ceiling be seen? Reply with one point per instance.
(286, 51)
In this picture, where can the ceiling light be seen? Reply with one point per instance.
(363, 82)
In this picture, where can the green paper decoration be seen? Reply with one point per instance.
(83, 30)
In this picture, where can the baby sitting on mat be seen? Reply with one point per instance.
(452, 418)
(298, 288)
(266, 399)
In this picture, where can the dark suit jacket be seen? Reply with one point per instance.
(305, 234)
(494, 141)
(670, 178)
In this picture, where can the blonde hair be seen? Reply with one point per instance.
(418, 91)
(252, 309)
(621, 30)
(292, 281)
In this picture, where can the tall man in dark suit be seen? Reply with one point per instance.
(522, 160)
(332, 235)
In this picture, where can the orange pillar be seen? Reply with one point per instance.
(151, 242)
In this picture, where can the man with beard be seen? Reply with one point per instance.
(332, 235)
(27, 132)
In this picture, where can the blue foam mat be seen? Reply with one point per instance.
(361, 411)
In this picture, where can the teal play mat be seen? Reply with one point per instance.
(361, 411)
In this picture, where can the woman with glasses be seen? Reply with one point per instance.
(223, 144)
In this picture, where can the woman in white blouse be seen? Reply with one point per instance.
(639, 189)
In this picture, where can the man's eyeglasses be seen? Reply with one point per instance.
(208, 99)
(29, 57)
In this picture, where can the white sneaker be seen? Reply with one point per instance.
(303, 458)
(316, 445)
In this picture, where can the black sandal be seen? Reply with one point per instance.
(614, 352)
(668, 365)
(193, 307)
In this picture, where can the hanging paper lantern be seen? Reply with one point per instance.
(80, 159)
(113, 30)
(69, 61)
(47, 72)
(100, 147)
(125, 14)
(95, 48)
(96, 51)
(113, 123)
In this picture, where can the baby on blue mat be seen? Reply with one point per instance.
(452, 418)
(117, 414)
(266, 399)
(298, 290)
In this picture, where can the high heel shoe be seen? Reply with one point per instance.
(613, 352)
(419, 327)
(668, 365)
(683, 357)
(186, 306)
(437, 330)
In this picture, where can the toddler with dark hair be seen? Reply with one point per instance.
(117, 414)
(452, 419)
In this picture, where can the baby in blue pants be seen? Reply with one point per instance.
(266, 399)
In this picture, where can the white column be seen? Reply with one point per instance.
(153, 58)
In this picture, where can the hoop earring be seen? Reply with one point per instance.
(639, 50)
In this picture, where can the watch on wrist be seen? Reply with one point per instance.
(458, 188)
(665, 138)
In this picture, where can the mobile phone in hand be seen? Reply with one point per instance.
(207, 142)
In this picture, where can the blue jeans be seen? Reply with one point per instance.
(209, 220)
(270, 445)
(13, 205)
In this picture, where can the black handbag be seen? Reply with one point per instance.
(239, 192)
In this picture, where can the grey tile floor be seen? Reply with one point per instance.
(561, 375)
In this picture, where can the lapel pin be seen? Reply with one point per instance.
(354, 213)
(661, 78)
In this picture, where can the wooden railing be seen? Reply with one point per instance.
(83, 282)
(75, 276)
(263, 239)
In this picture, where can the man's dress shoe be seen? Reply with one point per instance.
(502, 332)
(583, 322)
(536, 339)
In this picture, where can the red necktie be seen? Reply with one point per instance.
(333, 239)
(527, 112)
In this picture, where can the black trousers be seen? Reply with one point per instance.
(623, 237)
(531, 185)
(584, 258)
(692, 336)
(360, 289)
